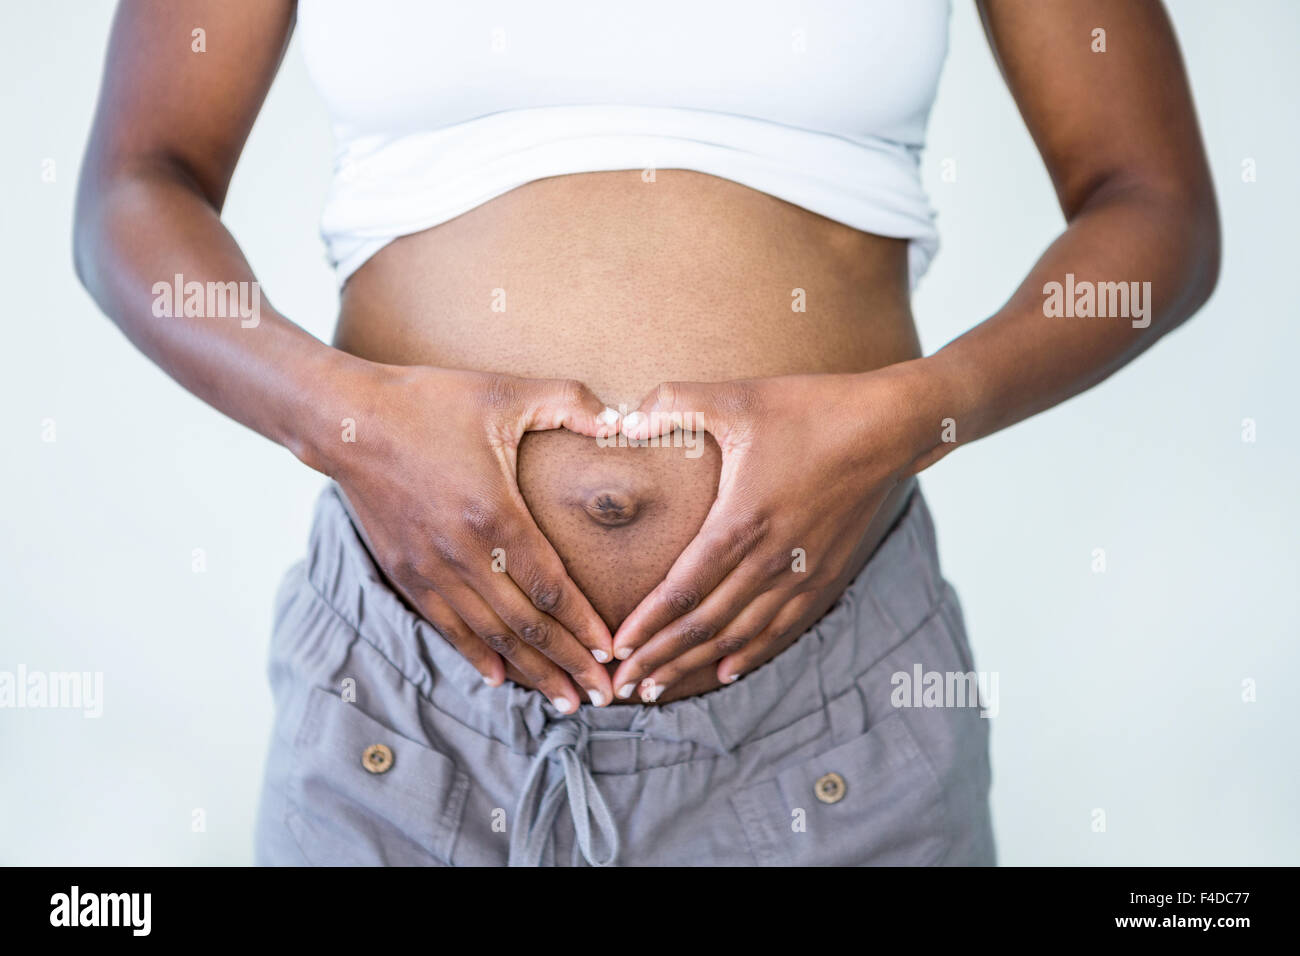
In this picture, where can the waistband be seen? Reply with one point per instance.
(897, 591)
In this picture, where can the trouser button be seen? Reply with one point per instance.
(830, 788)
(377, 758)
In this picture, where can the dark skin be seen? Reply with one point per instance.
(168, 131)
(1117, 133)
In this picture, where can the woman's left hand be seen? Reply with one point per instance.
(807, 461)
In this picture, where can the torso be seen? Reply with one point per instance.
(623, 284)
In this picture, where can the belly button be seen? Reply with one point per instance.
(611, 508)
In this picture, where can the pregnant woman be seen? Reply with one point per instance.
(623, 559)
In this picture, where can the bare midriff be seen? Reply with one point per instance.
(624, 283)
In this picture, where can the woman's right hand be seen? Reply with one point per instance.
(431, 476)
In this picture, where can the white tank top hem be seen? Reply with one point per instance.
(439, 108)
(387, 189)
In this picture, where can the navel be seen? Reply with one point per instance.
(611, 508)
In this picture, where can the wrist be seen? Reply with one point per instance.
(929, 408)
(333, 391)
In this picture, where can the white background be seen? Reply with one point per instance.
(1119, 691)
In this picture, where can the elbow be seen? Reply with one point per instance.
(80, 254)
(85, 229)
(1204, 253)
(1180, 223)
(1190, 231)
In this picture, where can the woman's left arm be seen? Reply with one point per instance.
(808, 460)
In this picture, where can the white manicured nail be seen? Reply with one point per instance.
(633, 421)
(730, 678)
(622, 653)
(625, 691)
(600, 655)
(564, 705)
(608, 416)
(597, 697)
(651, 691)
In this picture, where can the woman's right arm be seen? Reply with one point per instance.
(431, 472)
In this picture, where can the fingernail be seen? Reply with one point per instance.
(597, 698)
(650, 691)
(489, 680)
(633, 421)
(625, 691)
(564, 705)
(730, 678)
(608, 417)
(600, 655)
(622, 653)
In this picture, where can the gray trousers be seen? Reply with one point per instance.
(388, 748)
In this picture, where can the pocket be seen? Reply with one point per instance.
(403, 809)
(874, 800)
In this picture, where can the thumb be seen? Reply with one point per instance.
(690, 406)
(568, 403)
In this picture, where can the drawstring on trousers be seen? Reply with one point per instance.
(567, 742)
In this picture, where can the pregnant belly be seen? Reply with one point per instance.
(624, 284)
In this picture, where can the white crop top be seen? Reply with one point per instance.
(438, 107)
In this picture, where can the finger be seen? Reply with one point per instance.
(532, 562)
(768, 643)
(541, 576)
(744, 629)
(542, 632)
(566, 403)
(543, 674)
(695, 406)
(494, 539)
(452, 629)
(731, 597)
(721, 543)
(458, 634)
